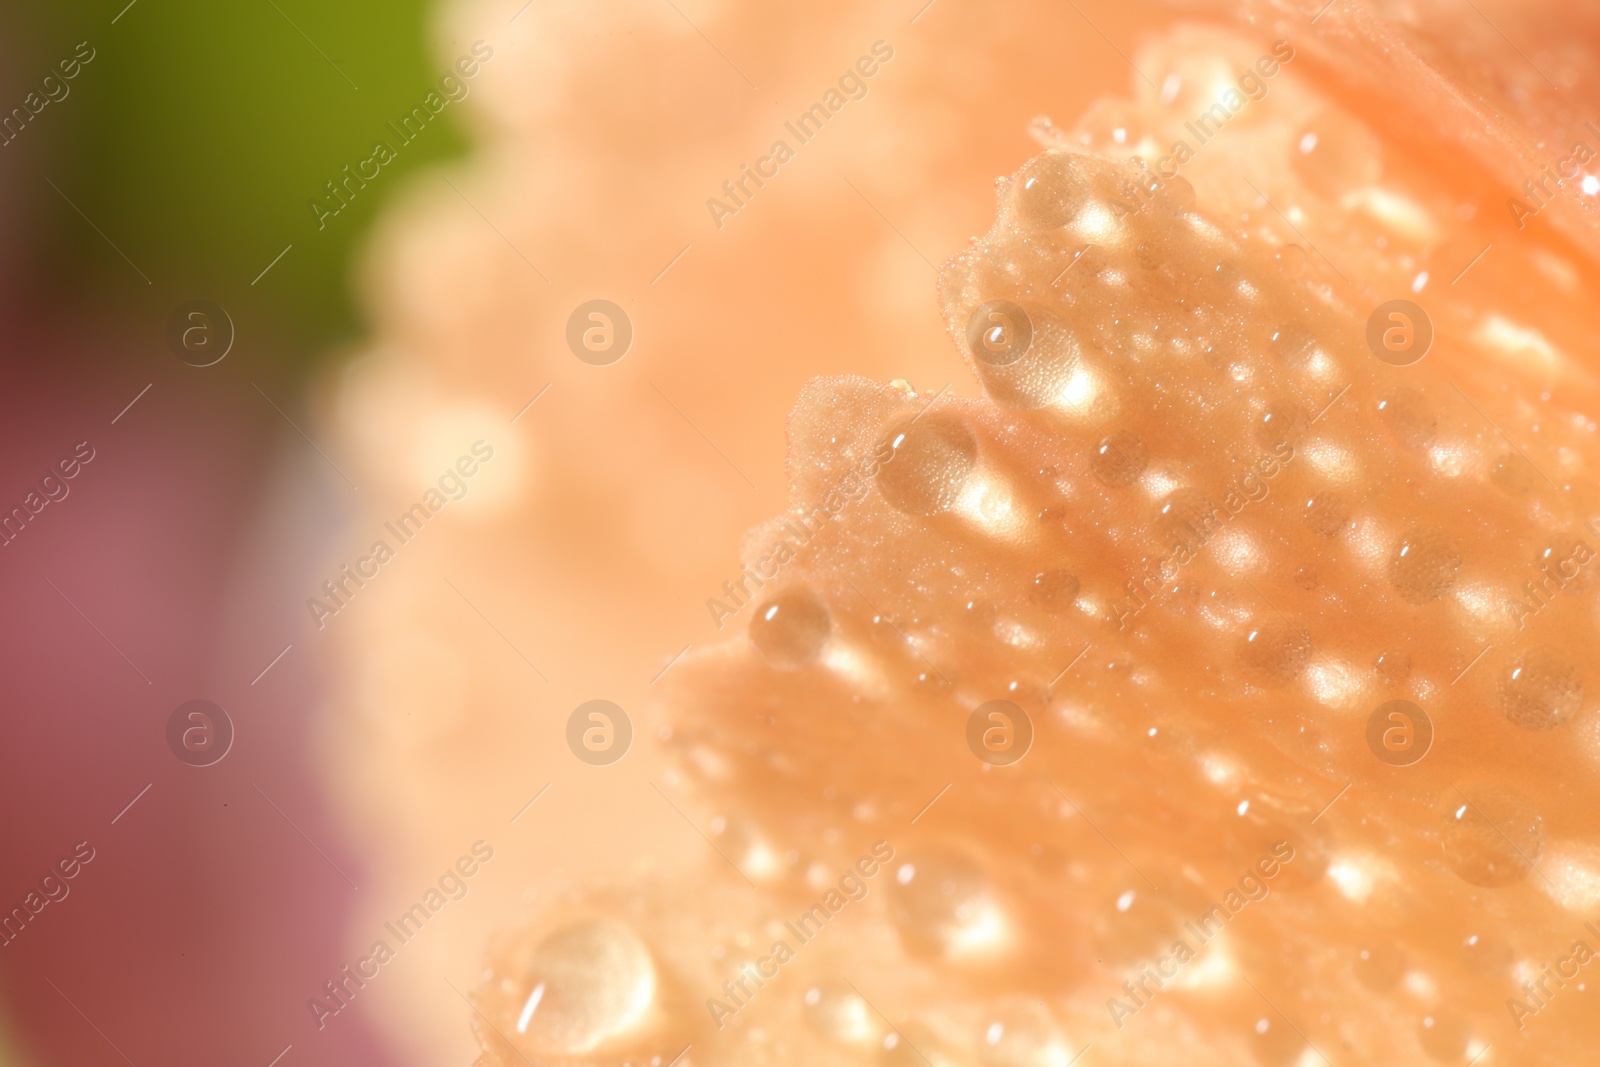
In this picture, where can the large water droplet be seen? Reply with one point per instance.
(1410, 417)
(1054, 591)
(1275, 1043)
(932, 459)
(790, 628)
(1050, 190)
(588, 983)
(1291, 259)
(1023, 1034)
(1492, 836)
(1187, 517)
(1273, 653)
(1444, 1036)
(1513, 474)
(1176, 195)
(1380, 966)
(1393, 666)
(999, 332)
(1483, 953)
(1327, 513)
(1292, 343)
(1424, 565)
(839, 1013)
(916, 1045)
(1118, 460)
(1540, 689)
(940, 902)
(1283, 425)
(1335, 153)
(1024, 358)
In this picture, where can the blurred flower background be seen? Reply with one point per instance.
(594, 153)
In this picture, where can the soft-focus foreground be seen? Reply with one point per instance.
(1217, 688)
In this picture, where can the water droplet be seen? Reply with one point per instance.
(1118, 460)
(1023, 1034)
(1565, 561)
(1292, 344)
(1444, 1037)
(1327, 513)
(1492, 836)
(933, 457)
(1275, 1043)
(1410, 417)
(1273, 653)
(1050, 190)
(1335, 154)
(588, 984)
(1540, 689)
(1393, 666)
(1187, 517)
(914, 1044)
(1176, 195)
(1424, 565)
(1024, 358)
(1512, 474)
(1380, 967)
(1486, 954)
(1284, 423)
(940, 903)
(1291, 259)
(838, 1013)
(1054, 591)
(999, 332)
(790, 628)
